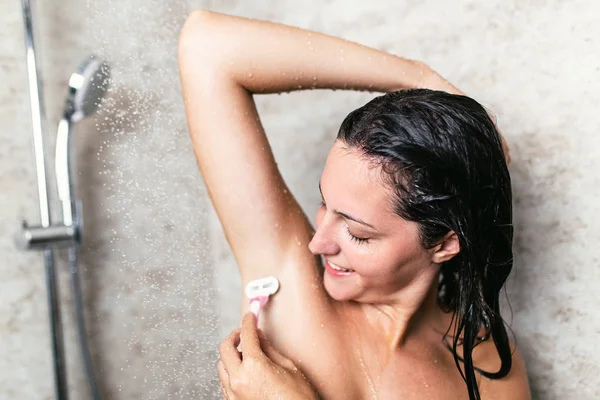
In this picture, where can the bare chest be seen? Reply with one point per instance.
(361, 373)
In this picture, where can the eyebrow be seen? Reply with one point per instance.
(351, 218)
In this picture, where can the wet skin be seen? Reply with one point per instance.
(374, 329)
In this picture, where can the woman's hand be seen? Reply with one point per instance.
(258, 372)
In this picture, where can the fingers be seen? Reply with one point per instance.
(231, 359)
(224, 378)
(275, 355)
(255, 344)
(249, 337)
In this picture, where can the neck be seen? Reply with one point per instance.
(413, 310)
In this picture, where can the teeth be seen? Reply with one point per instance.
(339, 268)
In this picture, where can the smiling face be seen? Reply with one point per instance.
(371, 254)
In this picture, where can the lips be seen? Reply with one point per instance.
(336, 270)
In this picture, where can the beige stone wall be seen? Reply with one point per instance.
(160, 282)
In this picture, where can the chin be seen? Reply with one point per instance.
(340, 291)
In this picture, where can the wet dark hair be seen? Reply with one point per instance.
(442, 156)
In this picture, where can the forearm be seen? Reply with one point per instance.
(266, 57)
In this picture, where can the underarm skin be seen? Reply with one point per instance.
(266, 57)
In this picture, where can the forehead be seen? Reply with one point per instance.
(352, 184)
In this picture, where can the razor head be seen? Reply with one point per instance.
(262, 287)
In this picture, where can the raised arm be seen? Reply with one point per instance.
(223, 61)
(266, 57)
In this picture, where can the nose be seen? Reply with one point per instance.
(325, 239)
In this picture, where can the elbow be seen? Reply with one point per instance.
(198, 45)
(196, 22)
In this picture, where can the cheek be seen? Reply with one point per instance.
(377, 261)
(368, 259)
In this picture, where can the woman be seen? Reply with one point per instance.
(395, 295)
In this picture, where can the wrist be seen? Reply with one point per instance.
(433, 80)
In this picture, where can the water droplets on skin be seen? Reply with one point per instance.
(374, 394)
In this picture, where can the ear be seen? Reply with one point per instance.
(446, 249)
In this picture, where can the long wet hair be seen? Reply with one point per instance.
(442, 156)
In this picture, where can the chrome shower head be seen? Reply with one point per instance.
(87, 88)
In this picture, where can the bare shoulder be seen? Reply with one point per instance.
(514, 386)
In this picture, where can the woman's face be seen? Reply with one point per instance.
(370, 253)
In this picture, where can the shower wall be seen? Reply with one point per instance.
(160, 282)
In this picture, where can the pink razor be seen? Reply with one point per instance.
(259, 291)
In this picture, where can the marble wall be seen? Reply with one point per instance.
(161, 287)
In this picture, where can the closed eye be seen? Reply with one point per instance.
(357, 239)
